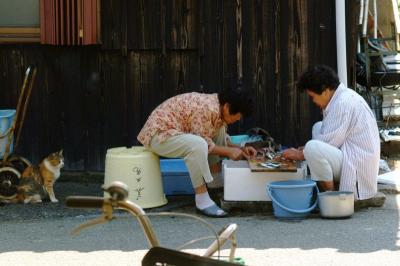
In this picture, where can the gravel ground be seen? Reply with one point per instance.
(18, 212)
(47, 209)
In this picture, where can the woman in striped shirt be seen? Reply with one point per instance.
(345, 145)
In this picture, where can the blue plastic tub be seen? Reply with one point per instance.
(6, 120)
(243, 139)
(173, 166)
(175, 177)
(292, 199)
(239, 139)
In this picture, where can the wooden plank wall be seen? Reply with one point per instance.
(88, 99)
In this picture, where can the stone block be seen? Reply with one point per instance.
(376, 201)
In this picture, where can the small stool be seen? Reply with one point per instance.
(138, 168)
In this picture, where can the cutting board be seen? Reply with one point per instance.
(285, 166)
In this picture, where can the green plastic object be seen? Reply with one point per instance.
(239, 260)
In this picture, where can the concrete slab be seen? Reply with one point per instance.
(389, 189)
(376, 201)
(390, 148)
(236, 207)
(266, 206)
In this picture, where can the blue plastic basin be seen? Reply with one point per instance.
(6, 119)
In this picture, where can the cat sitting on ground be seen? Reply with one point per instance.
(37, 182)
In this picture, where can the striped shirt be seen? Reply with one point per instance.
(349, 124)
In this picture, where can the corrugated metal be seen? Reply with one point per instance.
(69, 22)
(88, 99)
(90, 22)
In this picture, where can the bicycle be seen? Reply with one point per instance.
(157, 255)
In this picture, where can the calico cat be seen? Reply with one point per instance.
(37, 181)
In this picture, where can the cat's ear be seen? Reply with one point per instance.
(60, 152)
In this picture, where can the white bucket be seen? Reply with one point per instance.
(138, 168)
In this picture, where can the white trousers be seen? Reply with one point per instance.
(324, 160)
(194, 151)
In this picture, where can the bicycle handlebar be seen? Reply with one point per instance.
(119, 201)
(84, 202)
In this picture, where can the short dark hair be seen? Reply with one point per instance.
(318, 78)
(239, 100)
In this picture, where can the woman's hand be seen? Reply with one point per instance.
(235, 153)
(249, 152)
(293, 154)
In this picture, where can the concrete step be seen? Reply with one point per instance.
(259, 207)
(376, 201)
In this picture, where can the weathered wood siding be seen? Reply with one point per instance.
(88, 99)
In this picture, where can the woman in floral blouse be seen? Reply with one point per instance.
(193, 126)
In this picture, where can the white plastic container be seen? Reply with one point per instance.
(140, 170)
(240, 184)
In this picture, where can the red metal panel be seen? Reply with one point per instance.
(80, 22)
(85, 22)
(73, 19)
(47, 16)
(68, 21)
(95, 21)
(63, 19)
(57, 22)
(42, 21)
(43, 25)
(52, 23)
(90, 22)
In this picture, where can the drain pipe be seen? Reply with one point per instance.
(375, 20)
(360, 22)
(341, 40)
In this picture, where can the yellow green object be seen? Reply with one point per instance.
(138, 168)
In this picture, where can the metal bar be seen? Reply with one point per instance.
(143, 220)
(26, 101)
(360, 20)
(365, 17)
(233, 247)
(396, 16)
(222, 238)
(375, 20)
(341, 40)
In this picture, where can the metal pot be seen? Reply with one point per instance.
(336, 204)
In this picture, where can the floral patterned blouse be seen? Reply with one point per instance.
(189, 113)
